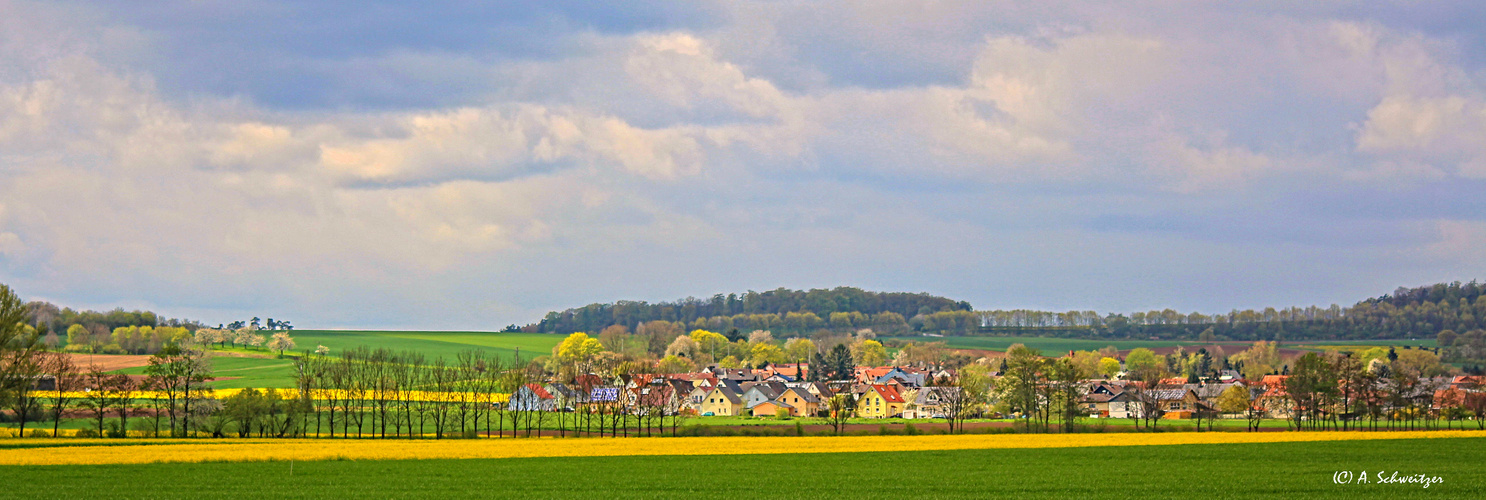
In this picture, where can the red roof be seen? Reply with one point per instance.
(888, 393)
(539, 391)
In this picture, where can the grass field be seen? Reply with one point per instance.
(261, 369)
(432, 344)
(1249, 470)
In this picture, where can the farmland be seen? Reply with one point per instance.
(1253, 470)
(238, 367)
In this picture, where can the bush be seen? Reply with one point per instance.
(38, 433)
(115, 432)
(911, 430)
(86, 433)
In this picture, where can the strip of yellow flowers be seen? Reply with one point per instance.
(438, 397)
(324, 449)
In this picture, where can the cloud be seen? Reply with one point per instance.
(476, 172)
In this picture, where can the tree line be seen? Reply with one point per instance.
(777, 309)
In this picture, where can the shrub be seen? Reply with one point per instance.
(38, 433)
(86, 433)
(911, 430)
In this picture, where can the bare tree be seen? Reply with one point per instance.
(65, 380)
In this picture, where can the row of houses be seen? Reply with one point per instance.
(906, 392)
(880, 392)
(1178, 399)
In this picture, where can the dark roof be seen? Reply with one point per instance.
(727, 393)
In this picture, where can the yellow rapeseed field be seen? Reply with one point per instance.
(326, 449)
(441, 397)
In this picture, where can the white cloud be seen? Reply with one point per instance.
(655, 161)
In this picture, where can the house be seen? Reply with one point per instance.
(567, 397)
(738, 375)
(603, 396)
(868, 374)
(905, 378)
(819, 389)
(772, 408)
(1124, 405)
(880, 401)
(930, 402)
(721, 400)
(800, 401)
(1096, 404)
(1209, 393)
(1176, 403)
(759, 392)
(792, 371)
(532, 397)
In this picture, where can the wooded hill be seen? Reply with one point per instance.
(1421, 312)
(781, 309)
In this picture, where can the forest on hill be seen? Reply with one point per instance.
(1420, 312)
(780, 309)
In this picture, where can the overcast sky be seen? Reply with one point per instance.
(475, 164)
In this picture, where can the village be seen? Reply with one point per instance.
(905, 392)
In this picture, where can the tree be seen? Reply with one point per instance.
(684, 347)
(1142, 359)
(675, 364)
(66, 380)
(799, 349)
(180, 373)
(1087, 363)
(710, 343)
(765, 353)
(281, 342)
(1234, 399)
(840, 406)
(20, 349)
(869, 353)
(98, 398)
(1018, 387)
(576, 349)
(1108, 367)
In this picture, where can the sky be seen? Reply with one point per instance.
(468, 165)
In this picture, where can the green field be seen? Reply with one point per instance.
(271, 372)
(1270, 470)
(432, 344)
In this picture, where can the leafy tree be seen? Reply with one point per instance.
(869, 353)
(1234, 399)
(1141, 359)
(675, 364)
(1108, 367)
(281, 342)
(20, 355)
(799, 349)
(765, 353)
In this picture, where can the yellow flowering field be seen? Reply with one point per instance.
(68, 452)
(441, 397)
